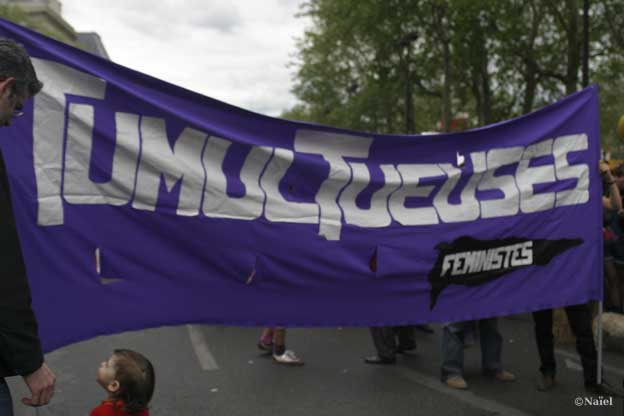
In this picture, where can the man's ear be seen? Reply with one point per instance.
(113, 386)
(6, 84)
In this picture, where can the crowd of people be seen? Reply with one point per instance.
(456, 336)
(128, 377)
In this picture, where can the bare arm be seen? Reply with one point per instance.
(615, 200)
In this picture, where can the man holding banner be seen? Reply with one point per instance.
(20, 348)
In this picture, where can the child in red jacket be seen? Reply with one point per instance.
(128, 378)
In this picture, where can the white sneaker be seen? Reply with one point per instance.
(288, 358)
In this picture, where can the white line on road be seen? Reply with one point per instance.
(204, 356)
(574, 357)
(461, 395)
(573, 365)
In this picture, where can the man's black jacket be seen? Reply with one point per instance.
(20, 348)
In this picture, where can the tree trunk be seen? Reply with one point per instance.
(410, 125)
(487, 93)
(446, 90)
(476, 92)
(585, 43)
(440, 13)
(529, 91)
(574, 59)
(531, 70)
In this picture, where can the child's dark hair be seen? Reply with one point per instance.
(136, 378)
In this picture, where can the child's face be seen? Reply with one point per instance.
(106, 375)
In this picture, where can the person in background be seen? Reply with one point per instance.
(385, 339)
(273, 340)
(452, 352)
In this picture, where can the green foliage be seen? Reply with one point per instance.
(610, 78)
(15, 15)
(396, 65)
(352, 66)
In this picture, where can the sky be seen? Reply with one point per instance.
(235, 51)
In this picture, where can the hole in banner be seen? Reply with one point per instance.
(104, 280)
(372, 264)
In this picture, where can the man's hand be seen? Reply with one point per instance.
(41, 385)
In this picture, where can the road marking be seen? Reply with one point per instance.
(574, 357)
(204, 356)
(573, 365)
(465, 396)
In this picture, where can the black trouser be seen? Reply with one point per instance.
(384, 338)
(579, 317)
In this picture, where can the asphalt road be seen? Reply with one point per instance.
(205, 370)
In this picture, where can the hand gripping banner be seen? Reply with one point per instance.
(139, 204)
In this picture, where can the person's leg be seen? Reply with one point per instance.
(280, 354)
(579, 317)
(611, 287)
(491, 346)
(619, 281)
(545, 341)
(6, 402)
(491, 350)
(279, 341)
(452, 351)
(546, 348)
(265, 343)
(618, 259)
(407, 338)
(385, 344)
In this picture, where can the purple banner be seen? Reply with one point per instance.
(141, 204)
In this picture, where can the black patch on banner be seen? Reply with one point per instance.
(471, 262)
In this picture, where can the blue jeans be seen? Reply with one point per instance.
(452, 348)
(6, 403)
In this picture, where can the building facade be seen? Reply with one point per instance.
(46, 17)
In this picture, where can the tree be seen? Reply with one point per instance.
(403, 66)
(356, 66)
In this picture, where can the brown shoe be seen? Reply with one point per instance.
(504, 376)
(457, 382)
